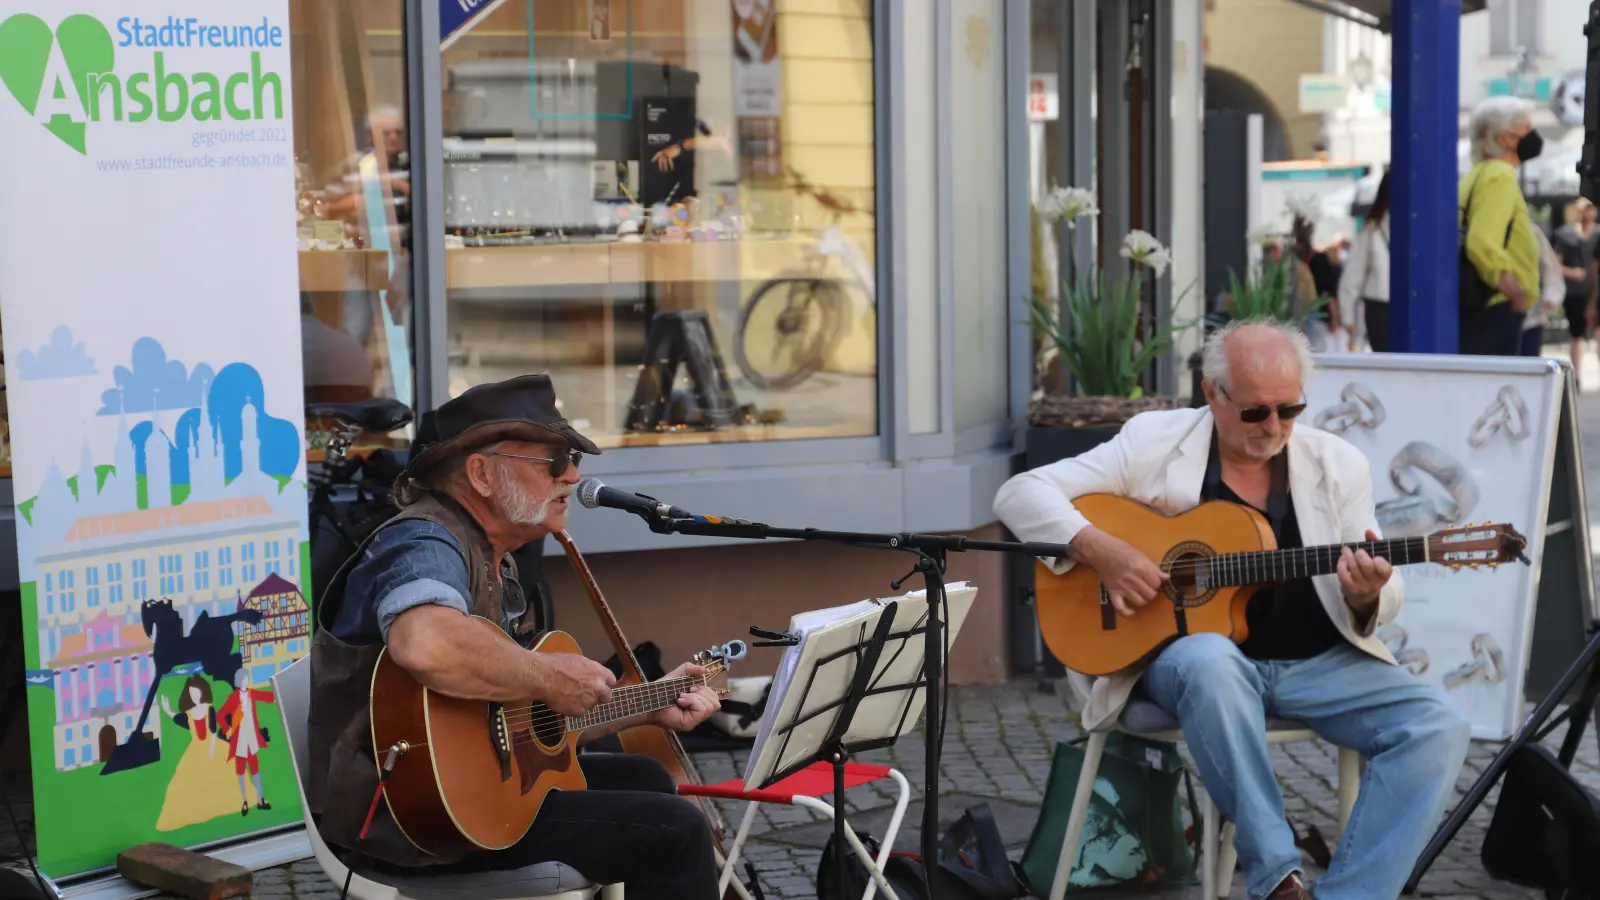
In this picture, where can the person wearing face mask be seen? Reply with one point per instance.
(1498, 236)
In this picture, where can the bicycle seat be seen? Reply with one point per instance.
(380, 414)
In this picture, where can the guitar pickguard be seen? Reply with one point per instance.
(534, 756)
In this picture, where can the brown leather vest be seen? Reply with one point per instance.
(344, 766)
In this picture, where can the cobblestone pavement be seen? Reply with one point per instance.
(998, 748)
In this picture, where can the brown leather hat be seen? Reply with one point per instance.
(518, 409)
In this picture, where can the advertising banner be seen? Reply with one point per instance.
(149, 303)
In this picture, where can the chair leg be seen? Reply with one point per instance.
(730, 865)
(1079, 813)
(1349, 785)
(1208, 845)
(1227, 859)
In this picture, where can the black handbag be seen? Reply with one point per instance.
(1546, 829)
(1475, 293)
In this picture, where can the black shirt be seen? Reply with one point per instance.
(1287, 620)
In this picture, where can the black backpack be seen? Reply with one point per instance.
(972, 865)
(1546, 828)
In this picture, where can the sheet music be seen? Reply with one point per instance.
(822, 633)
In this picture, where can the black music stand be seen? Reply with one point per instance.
(836, 675)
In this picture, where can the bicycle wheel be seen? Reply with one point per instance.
(802, 317)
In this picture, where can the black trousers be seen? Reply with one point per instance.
(1493, 331)
(1377, 313)
(630, 826)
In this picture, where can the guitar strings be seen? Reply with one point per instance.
(631, 695)
(1265, 558)
(660, 693)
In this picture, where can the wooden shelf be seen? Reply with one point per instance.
(344, 270)
(616, 262)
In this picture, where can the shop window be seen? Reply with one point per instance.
(352, 198)
(669, 209)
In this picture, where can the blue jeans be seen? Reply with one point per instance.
(1415, 742)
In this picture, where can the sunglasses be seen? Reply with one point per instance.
(558, 466)
(1258, 414)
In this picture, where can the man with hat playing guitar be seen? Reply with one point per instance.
(491, 470)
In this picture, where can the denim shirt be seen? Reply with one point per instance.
(406, 564)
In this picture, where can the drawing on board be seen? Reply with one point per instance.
(1451, 441)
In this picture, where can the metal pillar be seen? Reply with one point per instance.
(1422, 180)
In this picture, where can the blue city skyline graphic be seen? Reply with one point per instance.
(184, 435)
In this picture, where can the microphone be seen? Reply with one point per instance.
(593, 494)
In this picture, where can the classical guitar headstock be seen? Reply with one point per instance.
(1471, 546)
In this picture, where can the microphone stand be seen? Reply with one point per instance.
(930, 551)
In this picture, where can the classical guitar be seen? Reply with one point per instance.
(1217, 555)
(467, 775)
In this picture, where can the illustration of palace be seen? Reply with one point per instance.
(98, 556)
(284, 635)
(101, 675)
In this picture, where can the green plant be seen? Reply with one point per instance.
(1101, 344)
(1269, 293)
(1098, 333)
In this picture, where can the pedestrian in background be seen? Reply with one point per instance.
(1575, 242)
(1364, 284)
(1552, 291)
(1498, 237)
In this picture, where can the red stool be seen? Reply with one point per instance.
(802, 789)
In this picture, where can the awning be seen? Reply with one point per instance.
(1374, 13)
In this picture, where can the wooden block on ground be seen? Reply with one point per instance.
(183, 872)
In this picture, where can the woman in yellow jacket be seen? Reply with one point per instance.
(1499, 236)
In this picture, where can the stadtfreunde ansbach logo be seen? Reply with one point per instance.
(68, 77)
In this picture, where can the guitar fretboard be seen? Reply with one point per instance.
(637, 700)
(1264, 566)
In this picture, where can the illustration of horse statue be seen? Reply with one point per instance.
(209, 643)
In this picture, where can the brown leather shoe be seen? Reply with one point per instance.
(1290, 889)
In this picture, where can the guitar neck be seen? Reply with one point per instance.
(1266, 566)
(636, 700)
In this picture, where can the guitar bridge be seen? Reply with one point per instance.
(500, 737)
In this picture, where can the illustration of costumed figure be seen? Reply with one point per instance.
(246, 739)
(203, 781)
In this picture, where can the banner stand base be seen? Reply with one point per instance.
(255, 854)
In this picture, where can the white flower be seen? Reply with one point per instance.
(1302, 207)
(1263, 236)
(1067, 204)
(1144, 249)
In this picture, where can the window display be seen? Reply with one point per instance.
(669, 207)
(352, 201)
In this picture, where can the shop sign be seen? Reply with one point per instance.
(149, 291)
(1322, 92)
(457, 17)
(1044, 101)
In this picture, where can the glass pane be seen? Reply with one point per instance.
(668, 206)
(352, 196)
(983, 319)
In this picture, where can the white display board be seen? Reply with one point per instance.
(1454, 440)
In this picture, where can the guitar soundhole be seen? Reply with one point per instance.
(1186, 564)
(546, 725)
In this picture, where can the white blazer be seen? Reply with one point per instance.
(1160, 458)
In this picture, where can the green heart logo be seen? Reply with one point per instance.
(26, 43)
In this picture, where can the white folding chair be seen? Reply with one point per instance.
(804, 788)
(552, 880)
(1217, 853)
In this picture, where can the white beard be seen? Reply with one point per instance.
(517, 506)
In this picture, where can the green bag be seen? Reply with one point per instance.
(1133, 834)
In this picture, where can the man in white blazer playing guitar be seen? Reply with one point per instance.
(1311, 653)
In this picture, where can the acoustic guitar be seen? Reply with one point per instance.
(464, 775)
(1216, 555)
